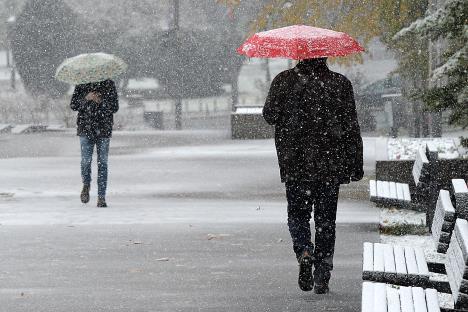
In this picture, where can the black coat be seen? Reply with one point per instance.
(95, 120)
(317, 133)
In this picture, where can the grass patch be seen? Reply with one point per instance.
(403, 229)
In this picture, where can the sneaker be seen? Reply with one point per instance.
(305, 280)
(101, 203)
(85, 194)
(321, 279)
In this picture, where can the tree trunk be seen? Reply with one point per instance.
(436, 124)
(178, 113)
(235, 91)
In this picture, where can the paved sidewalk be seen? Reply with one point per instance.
(212, 207)
(209, 267)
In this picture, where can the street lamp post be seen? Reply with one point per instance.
(177, 99)
(10, 64)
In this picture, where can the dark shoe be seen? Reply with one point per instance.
(85, 194)
(305, 280)
(101, 203)
(321, 279)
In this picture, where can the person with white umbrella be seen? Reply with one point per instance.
(96, 101)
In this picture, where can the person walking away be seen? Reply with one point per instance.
(319, 147)
(96, 104)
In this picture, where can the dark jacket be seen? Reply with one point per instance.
(95, 120)
(317, 133)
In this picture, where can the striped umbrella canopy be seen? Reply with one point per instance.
(90, 67)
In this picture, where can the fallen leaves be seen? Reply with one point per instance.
(217, 236)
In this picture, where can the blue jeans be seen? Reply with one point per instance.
(87, 148)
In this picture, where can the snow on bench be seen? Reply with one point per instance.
(28, 128)
(443, 221)
(377, 297)
(395, 264)
(407, 266)
(420, 165)
(460, 192)
(456, 264)
(5, 128)
(389, 193)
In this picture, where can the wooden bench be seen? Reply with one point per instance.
(28, 128)
(395, 264)
(407, 266)
(5, 128)
(389, 193)
(378, 297)
(448, 208)
(456, 264)
(443, 222)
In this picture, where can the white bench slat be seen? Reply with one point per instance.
(368, 257)
(460, 191)
(380, 297)
(452, 276)
(393, 299)
(437, 221)
(400, 192)
(419, 299)
(411, 264)
(406, 192)
(461, 230)
(373, 189)
(379, 188)
(379, 261)
(393, 192)
(446, 202)
(394, 264)
(421, 262)
(416, 173)
(389, 259)
(458, 285)
(432, 300)
(419, 163)
(459, 186)
(367, 303)
(400, 263)
(385, 189)
(458, 254)
(389, 192)
(406, 299)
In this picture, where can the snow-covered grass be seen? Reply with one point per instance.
(405, 148)
(393, 216)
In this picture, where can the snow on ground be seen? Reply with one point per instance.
(225, 181)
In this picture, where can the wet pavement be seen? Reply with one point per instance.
(196, 222)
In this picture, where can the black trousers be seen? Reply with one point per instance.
(321, 198)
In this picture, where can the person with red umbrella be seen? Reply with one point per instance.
(317, 138)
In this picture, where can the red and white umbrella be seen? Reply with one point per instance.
(299, 42)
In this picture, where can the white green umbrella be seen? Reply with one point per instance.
(90, 67)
